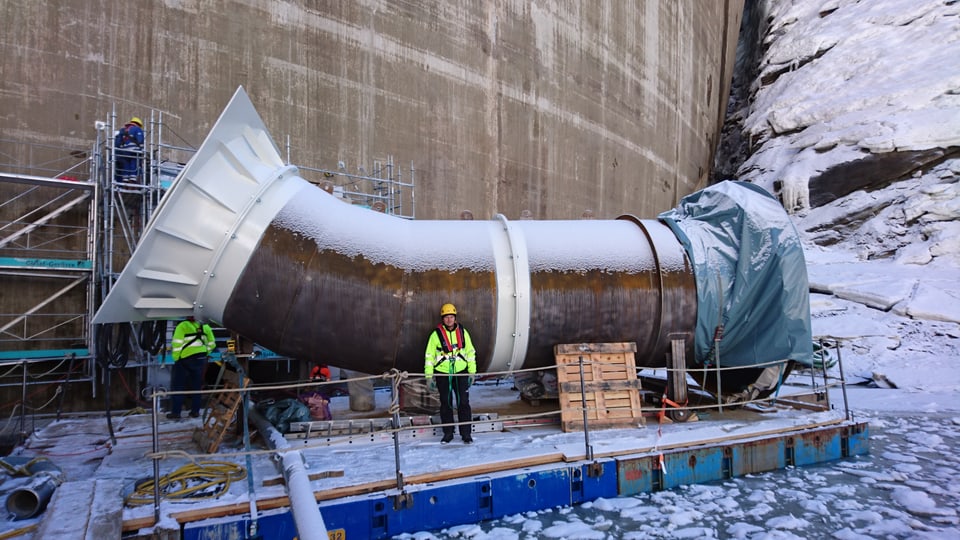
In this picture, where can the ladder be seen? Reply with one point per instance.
(221, 412)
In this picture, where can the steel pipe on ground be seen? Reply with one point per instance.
(30, 499)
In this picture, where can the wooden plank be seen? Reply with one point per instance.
(604, 386)
(618, 403)
(801, 404)
(69, 510)
(485, 468)
(577, 397)
(601, 411)
(585, 348)
(235, 509)
(278, 480)
(269, 503)
(603, 424)
(661, 446)
(575, 376)
(19, 532)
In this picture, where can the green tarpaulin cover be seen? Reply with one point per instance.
(750, 272)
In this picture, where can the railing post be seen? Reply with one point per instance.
(395, 410)
(583, 404)
(23, 405)
(717, 336)
(155, 428)
(823, 368)
(843, 382)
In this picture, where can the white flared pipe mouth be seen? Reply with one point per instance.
(206, 225)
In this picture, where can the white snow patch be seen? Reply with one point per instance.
(919, 503)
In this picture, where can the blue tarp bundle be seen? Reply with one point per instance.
(750, 272)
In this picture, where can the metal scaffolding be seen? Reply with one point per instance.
(47, 255)
(70, 223)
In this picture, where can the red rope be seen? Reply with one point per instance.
(38, 390)
(131, 393)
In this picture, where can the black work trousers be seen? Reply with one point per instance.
(455, 388)
(188, 375)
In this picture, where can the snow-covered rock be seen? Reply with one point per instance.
(852, 95)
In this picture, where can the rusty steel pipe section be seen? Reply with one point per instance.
(361, 290)
(243, 241)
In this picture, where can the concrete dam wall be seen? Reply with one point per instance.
(501, 106)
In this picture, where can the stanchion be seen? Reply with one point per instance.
(155, 427)
(843, 382)
(395, 410)
(583, 402)
(66, 384)
(23, 406)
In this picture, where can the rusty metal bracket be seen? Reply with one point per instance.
(402, 500)
(595, 469)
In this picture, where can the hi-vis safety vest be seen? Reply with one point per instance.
(190, 339)
(449, 351)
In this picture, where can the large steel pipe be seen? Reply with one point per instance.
(361, 290)
(241, 240)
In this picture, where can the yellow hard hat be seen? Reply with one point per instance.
(448, 309)
(137, 121)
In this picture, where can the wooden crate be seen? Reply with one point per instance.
(610, 385)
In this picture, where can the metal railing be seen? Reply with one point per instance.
(392, 426)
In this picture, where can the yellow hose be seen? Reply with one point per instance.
(197, 481)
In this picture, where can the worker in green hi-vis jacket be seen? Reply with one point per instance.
(192, 342)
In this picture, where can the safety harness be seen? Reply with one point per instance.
(445, 343)
(124, 138)
(197, 336)
(447, 347)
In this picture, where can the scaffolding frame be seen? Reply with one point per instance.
(383, 189)
(35, 247)
(117, 211)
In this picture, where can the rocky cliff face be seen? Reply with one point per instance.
(851, 115)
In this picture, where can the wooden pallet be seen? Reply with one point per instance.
(610, 386)
(221, 413)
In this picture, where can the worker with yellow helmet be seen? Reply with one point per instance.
(451, 356)
(128, 151)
